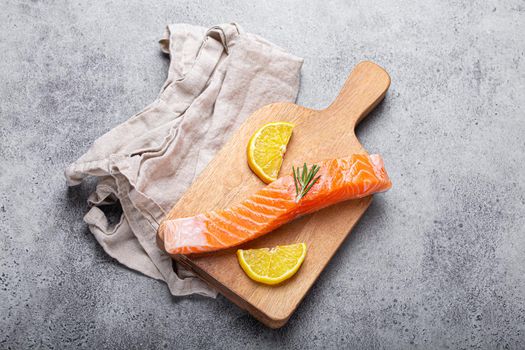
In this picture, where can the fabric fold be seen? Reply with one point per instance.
(216, 78)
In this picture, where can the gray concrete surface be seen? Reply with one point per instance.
(437, 262)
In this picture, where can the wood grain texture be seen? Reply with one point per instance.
(318, 135)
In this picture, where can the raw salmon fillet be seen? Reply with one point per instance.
(342, 179)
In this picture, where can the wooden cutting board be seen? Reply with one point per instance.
(318, 135)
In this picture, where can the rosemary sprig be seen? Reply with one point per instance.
(305, 180)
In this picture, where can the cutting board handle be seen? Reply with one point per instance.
(363, 90)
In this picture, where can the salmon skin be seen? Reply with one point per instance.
(357, 176)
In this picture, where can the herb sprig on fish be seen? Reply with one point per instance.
(305, 180)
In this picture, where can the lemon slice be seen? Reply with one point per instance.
(266, 149)
(272, 265)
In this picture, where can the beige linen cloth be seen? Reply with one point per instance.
(216, 78)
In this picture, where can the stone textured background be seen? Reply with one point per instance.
(437, 262)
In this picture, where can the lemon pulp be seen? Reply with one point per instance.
(272, 265)
(266, 149)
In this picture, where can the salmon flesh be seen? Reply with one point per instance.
(357, 176)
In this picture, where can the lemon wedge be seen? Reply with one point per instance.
(266, 149)
(272, 265)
